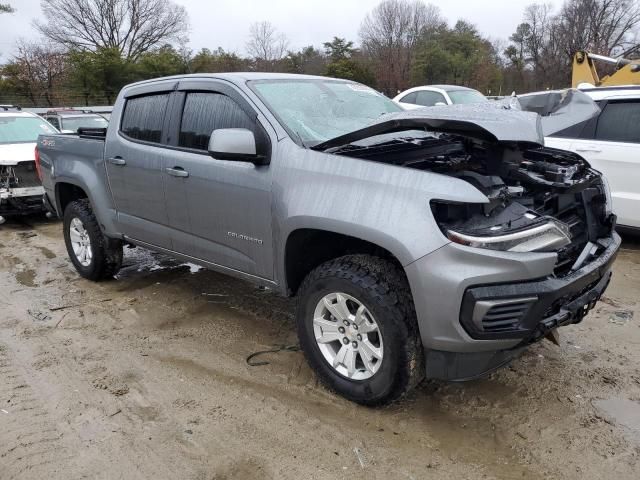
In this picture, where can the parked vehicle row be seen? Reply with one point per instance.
(433, 243)
(21, 191)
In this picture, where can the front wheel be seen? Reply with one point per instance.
(93, 255)
(357, 328)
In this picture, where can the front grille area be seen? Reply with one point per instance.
(25, 175)
(584, 213)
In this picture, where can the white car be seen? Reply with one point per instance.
(20, 189)
(438, 95)
(611, 143)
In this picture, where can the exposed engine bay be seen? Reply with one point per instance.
(552, 195)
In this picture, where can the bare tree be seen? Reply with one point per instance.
(6, 8)
(548, 42)
(131, 26)
(601, 26)
(266, 45)
(390, 35)
(37, 69)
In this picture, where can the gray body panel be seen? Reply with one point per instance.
(208, 216)
(67, 159)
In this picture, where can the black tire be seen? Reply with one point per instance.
(382, 288)
(107, 253)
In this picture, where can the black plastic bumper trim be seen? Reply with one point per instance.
(461, 367)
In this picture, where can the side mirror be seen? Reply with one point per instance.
(440, 104)
(237, 144)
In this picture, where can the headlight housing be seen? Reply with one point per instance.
(548, 236)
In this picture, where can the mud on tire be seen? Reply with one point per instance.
(106, 257)
(382, 288)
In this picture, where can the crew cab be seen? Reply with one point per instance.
(610, 142)
(20, 188)
(433, 243)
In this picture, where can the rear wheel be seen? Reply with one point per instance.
(357, 328)
(93, 255)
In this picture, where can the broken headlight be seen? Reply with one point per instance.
(607, 193)
(548, 236)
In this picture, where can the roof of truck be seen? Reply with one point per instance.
(239, 77)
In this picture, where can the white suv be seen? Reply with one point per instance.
(20, 189)
(611, 144)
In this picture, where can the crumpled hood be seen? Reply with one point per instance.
(11, 154)
(516, 120)
(559, 109)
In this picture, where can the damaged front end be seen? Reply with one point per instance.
(540, 200)
(537, 200)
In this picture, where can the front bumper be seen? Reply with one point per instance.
(528, 310)
(450, 283)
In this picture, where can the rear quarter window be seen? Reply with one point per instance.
(143, 117)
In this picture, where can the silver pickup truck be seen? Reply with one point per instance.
(433, 243)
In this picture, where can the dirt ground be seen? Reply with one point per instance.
(145, 377)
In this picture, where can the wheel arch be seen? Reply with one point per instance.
(67, 192)
(307, 248)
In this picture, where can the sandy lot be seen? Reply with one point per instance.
(145, 377)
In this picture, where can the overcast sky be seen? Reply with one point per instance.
(225, 23)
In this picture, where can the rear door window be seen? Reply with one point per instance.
(205, 112)
(144, 116)
(619, 122)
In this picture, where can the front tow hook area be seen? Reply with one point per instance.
(573, 312)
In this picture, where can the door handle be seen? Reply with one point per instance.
(177, 172)
(117, 161)
(588, 149)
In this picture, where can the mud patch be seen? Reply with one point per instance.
(26, 278)
(247, 469)
(624, 412)
(46, 252)
(111, 384)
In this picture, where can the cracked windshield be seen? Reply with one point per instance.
(317, 110)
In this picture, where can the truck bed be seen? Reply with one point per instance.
(63, 154)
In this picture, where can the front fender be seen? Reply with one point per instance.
(383, 204)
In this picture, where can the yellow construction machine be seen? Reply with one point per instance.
(584, 71)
